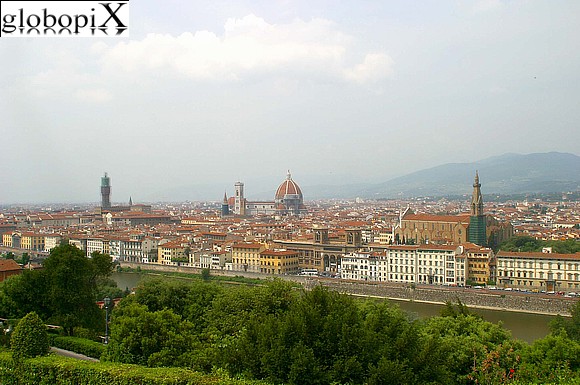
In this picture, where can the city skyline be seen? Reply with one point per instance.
(210, 93)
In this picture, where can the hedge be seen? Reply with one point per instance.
(79, 345)
(56, 370)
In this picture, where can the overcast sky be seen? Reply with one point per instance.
(210, 92)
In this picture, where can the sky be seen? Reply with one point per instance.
(206, 93)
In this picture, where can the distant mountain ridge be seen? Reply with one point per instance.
(504, 174)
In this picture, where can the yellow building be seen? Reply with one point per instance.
(279, 262)
(246, 256)
(480, 261)
(7, 239)
(32, 241)
(172, 253)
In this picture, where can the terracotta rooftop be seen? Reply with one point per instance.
(9, 265)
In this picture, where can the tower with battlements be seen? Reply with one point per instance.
(105, 192)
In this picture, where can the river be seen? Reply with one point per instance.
(525, 326)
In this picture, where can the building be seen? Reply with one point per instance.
(539, 271)
(365, 266)
(97, 244)
(172, 253)
(51, 241)
(246, 256)
(323, 253)
(288, 200)
(105, 192)
(475, 227)
(225, 207)
(106, 206)
(8, 268)
(279, 262)
(480, 263)
(427, 228)
(477, 220)
(134, 248)
(408, 264)
(12, 239)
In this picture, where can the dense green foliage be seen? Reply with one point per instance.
(29, 338)
(79, 345)
(54, 370)
(63, 293)
(531, 244)
(281, 334)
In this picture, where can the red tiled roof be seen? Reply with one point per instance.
(539, 255)
(9, 265)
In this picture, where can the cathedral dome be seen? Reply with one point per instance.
(288, 190)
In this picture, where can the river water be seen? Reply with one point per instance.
(524, 326)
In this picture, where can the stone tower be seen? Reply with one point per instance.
(477, 233)
(105, 192)
(239, 200)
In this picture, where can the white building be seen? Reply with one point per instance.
(51, 241)
(438, 265)
(363, 267)
(541, 271)
(97, 244)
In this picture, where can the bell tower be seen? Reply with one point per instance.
(477, 233)
(240, 201)
(476, 199)
(225, 206)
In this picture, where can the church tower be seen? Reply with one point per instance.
(225, 206)
(477, 219)
(239, 200)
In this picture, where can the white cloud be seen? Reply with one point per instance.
(249, 46)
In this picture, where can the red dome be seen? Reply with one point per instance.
(288, 187)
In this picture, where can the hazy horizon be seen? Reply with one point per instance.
(208, 93)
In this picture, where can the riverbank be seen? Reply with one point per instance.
(475, 298)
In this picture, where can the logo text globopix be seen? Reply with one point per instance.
(64, 18)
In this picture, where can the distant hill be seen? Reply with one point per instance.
(505, 174)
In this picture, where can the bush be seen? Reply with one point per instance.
(55, 370)
(29, 338)
(80, 345)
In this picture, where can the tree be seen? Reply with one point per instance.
(24, 293)
(25, 259)
(102, 263)
(29, 338)
(72, 288)
(571, 326)
(205, 274)
(139, 336)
